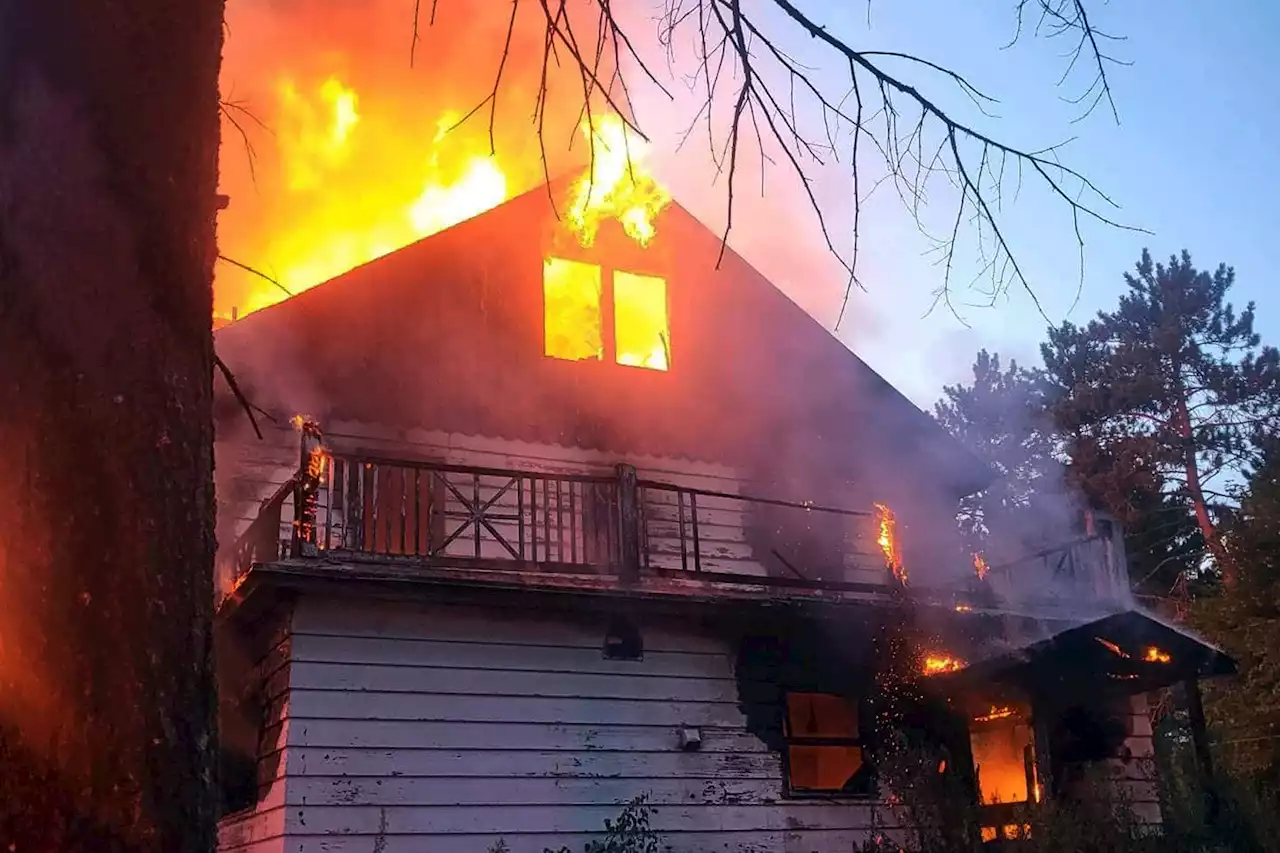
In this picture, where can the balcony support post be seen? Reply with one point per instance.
(628, 523)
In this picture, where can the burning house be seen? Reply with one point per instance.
(572, 514)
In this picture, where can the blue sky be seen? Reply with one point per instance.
(1190, 161)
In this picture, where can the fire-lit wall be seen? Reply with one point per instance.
(448, 335)
(442, 727)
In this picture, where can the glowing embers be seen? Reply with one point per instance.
(571, 310)
(640, 320)
(887, 539)
(574, 315)
(824, 749)
(1003, 748)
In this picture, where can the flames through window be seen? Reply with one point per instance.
(574, 308)
(1003, 748)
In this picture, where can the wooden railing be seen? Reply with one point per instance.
(1087, 568)
(372, 508)
(489, 517)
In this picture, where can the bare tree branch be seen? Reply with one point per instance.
(739, 63)
(255, 271)
(239, 395)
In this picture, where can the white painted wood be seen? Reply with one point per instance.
(721, 841)
(254, 831)
(432, 727)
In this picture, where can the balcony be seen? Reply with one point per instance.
(365, 509)
(343, 508)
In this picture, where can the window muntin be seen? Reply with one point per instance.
(574, 311)
(824, 744)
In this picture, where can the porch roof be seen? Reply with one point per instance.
(1129, 652)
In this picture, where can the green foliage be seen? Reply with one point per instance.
(1245, 621)
(1160, 397)
(629, 832)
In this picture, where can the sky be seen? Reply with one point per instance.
(1199, 110)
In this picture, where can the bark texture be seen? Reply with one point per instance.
(108, 171)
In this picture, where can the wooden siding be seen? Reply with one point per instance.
(447, 728)
(266, 683)
(251, 472)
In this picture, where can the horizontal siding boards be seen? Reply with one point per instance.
(547, 659)
(458, 681)
(418, 727)
(509, 820)
(454, 791)
(487, 625)
(536, 737)
(504, 764)
(752, 841)
(258, 831)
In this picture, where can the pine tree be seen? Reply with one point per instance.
(1170, 386)
(1000, 417)
(1246, 621)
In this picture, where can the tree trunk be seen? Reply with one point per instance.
(108, 171)
(1192, 468)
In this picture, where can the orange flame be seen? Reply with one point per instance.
(939, 663)
(355, 186)
(996, 713)
(887, 539)
(616, 185)
(1154, 654)
(980, 566)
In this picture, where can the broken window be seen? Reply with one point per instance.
(824, 745)
(1002, 744)
(571, 309)
(574, 315)
(640, 320)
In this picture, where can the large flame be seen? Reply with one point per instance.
(616, 185)
(887, 539)
(356, 189)
(337, 148)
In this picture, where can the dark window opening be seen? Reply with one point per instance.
(824, 754)
(623, 641)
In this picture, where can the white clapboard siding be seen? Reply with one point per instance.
(444, 728)
(261, 828)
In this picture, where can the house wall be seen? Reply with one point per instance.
(428, 728)
(251, 471)
(254, 717)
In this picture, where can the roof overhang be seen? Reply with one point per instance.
(1111, 655)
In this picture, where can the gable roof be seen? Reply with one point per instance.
(446, 334)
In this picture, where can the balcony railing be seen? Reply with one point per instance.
(371, 508)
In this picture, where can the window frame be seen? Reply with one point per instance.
(865, 790)
(608, 314)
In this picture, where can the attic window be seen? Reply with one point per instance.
(575, 314)
(571, 294)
